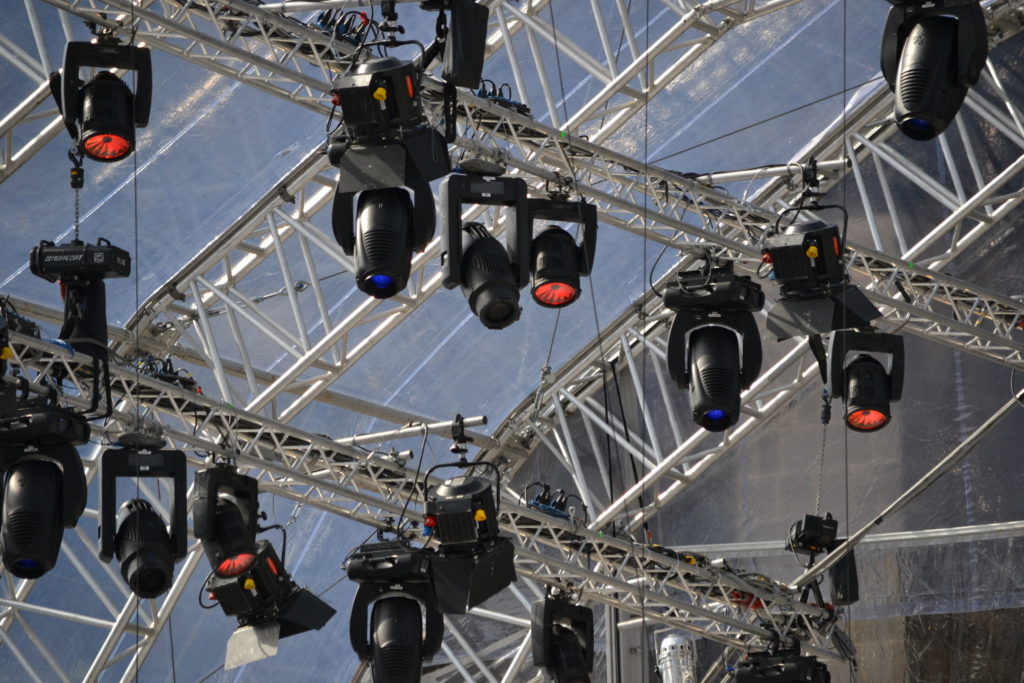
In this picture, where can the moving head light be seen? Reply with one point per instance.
(102, 115)
(44, 489)
(145, 546)
(562, 637)
(865, 385)
(387, 154)
(473, 561)
(714, 347)
(406, 625)
(932, 52)
(556, 260)
(781, 667)
(815, 294)
(489, 273)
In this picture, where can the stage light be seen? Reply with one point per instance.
(142, 543)
(562, 638)
(556, 261)
(813, 534)
(224, 518)
(474, 561)
(781, 667)
(44, 492)
(143, 546)
(932, 52)
(865, 385)
(43, 489)
(102, 115)
(489, 273)
(268, 605)
(714, 347)
(383, 250)
(406, 626)
(815, 295)
(488, 282)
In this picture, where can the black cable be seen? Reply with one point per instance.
(415, 483)
(723, 136)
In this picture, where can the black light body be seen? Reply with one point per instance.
(142, 542)
(714, 348)
(265, 593)
(43, 489)
(405, 625)
(143, 546)
(378, 97)
(102, 115)
(556, 260)
(488, 282)
(864, 384)
(715, 372)
(489, 273)
(397, 640)
(555, 267)
(932, 53)
(383, 247)
(224, 518)
(562, 639)
(781, 668)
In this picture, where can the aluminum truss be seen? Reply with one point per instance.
(278, 57)
(735, 609)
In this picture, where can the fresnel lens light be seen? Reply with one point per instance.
(933, 51)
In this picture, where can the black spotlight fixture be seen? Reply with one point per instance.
(144, 545)
(248, 579)
(44, 489)
(224, 518)
(405, 624)
(933, 51)
(556, 260)
(714, 347)
(562, 637)
(781, 667)
(489, 273)
(102, 115)
(815, 294)
(387, 154)
(866, 386)
(473, 561)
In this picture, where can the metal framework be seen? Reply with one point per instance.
(275, 360)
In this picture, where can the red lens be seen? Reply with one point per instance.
(867, 420)
(107, 147)
(233, 566)
(555, 294)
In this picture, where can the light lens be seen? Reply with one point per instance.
(867, 420)
(555, 294)
(239, 564)
(716, 414)
(105, 147)
(381, 281)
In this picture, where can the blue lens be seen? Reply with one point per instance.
(382, 281)
(716, 415)
(920, 126)
(27, 563)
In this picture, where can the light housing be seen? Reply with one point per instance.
(488, 281)
(815, 295)
(714, 347)
(142, 542)
(932, 53)
(406, 626)
(556, 260)
(781, 667)
(144, 548)
(383, 248)
(224, 518)
(102, 115)
(865, 385)
(562, 639)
